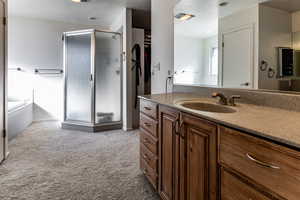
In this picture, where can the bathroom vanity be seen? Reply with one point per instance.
(251, 152)
(193, 148)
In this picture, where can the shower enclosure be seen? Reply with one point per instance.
(93, 78)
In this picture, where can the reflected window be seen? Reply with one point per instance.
(213, 68)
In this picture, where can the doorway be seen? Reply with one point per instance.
(3, 72)
(238, 57)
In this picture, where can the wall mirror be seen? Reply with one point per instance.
(250, 44)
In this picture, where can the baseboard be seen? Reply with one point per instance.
(6, 156)
(127, 129)
(91, 128)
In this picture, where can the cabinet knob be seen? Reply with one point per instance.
(145, 157)
(146, 141)
(147, 124)
(145, 171)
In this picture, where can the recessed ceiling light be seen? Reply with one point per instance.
(184, 16)
(223, 3)
(80, 1)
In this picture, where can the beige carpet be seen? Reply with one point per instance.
(46, 162)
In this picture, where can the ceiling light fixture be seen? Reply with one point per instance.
(184, 16)
(80, 1)
(92, 18)
(223, 4)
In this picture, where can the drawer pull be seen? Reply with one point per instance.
(261, 162)
(147, 124)
(147, 108)
(145, 171)
(146, 141)
(146, 157)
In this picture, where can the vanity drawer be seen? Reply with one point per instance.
(148, 124)
(149, 158)
(149, 173)
(233, 188)
(148, 141)
(149, 108)
(271, 166)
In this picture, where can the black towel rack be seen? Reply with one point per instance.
(15, 69)
(48, 71)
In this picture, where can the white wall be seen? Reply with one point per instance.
(296, 21)
(188, 59)
(162, 42)
(127, 73)
(34, 43)
(192, 60)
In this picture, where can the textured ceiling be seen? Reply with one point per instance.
(106, 11)
(287, 5)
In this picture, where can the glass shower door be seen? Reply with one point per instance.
(108, 78)
(78, 83)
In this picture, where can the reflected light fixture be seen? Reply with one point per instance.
(184, 16)
(80, 1)
(222, 4)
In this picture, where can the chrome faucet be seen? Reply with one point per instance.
(222, 100)
(232, 98)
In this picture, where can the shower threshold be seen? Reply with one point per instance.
(92, 128)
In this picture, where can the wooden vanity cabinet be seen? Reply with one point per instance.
(149, 141)
(266, 167)
(169, 149)
(187, 158)
(201, 158)
(235, 188)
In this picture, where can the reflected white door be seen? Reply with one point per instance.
(2, 80)
(238, 58)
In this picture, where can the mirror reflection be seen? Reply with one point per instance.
(251, 44)
(196, 42)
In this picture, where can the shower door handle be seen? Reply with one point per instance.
(91, 78)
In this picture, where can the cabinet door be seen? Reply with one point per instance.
(201, 158)
(234, 188)
(167, 151)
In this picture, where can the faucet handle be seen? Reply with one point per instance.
(232, 99)
(215, 94)
(223, 99)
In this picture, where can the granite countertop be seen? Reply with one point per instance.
(278, 125)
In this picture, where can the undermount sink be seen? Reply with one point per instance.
(207, 107)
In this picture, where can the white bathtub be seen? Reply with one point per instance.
(19, 116)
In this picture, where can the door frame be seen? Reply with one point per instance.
(4, 128)
(232, 30)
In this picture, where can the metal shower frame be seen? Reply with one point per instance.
(91, 126)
